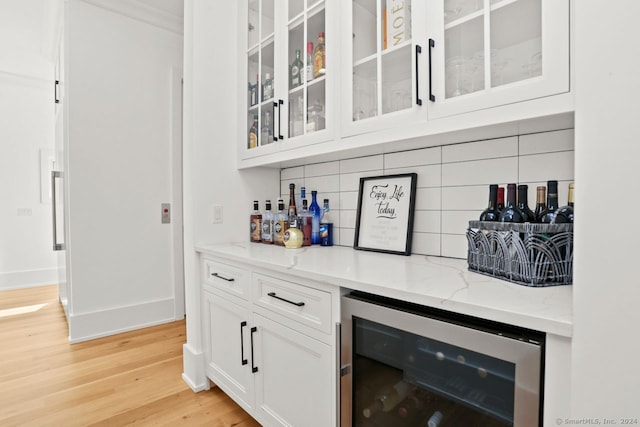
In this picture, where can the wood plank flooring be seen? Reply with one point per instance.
(125, 379)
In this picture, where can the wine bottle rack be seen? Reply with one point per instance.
(527, 254)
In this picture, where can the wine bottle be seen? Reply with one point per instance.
(280, 224)
(326, 225)
(293, 212)
(541, 202)
(305, 224)
(319, 66)
(295, 78)
(511, 213)
(552, 203)
(267, 224)
(314, 210)
(255, 223)
(564, 214)
(500, 205)
(387, 399)
(523, 203)
(309, 71)
(491, 213)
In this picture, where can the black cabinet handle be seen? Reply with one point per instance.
(273, 114)
(242, 359)
(273, 295)
(281, 103)
(55, 92)
(254, 368)
(418, 52)
(432, 97)
(223, 278)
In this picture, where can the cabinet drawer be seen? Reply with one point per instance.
(228, 278)
(305, 305)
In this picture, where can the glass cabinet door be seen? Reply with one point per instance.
(306, 59)
(494, 52)
(261, 76)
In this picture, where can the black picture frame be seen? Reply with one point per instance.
(384, 221)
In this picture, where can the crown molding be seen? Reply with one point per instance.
(142, 12)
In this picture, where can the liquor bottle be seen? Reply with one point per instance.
(326, 225)
(564, 214)
(255, 224)
(297, 67)
(491, 213)
(293, 212)
(253, 133)
(266, 132)
(319, 64)
(435, 419)
(541, 203)
(500, 205)
(304, 220)
(267, 224)
(309, 72)
(267, 88)
(387, 398)
(552, 203)
(314, 210)
(511, 213)
(523, 205)
(280, 224)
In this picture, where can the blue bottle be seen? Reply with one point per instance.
(316, 213)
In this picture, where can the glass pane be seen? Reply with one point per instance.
(266, 124)
(516, 42)
(365, 90)
(296, 114)
(253, 73)
(295, 55)
(364, 29)
(267, 72)
(268, 14)
(295, 8)
(316, 107)
(403, 379)
(253, 20)
(316, 38)
(458, 9)
(396, 80)
(396, 23)
(464, 57)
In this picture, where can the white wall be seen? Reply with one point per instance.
(119, 170)
(26, 128)
(606, 373)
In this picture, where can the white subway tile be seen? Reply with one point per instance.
(425, 244)
(361, 164)
(284, 186)
(491, 171)
(292, 173)
(322, 184)
(547, 142)
(426, 222)
(346, 236)
(543, 167)
(457, 222)
(428, 176)
(402, 159)
(465, 198)
(348, 200)
(454, 246)
(351, 181)
(477, 150)
(429, 199)
(348, 218)
(319, 169)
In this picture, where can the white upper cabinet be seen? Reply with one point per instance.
(291, 65)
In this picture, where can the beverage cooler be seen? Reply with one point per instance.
(407, 365)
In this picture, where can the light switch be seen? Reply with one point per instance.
(166, 213)
(217, 214)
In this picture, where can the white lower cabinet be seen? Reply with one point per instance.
(266, 350)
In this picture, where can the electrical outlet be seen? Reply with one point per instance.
(217, 214)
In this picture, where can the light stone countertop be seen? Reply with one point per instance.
(442, 283)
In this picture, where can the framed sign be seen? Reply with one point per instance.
(386, 205)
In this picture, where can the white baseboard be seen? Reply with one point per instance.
(28, 279)
(193, 369)
(88, 326)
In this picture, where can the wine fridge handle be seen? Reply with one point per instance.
(432, 97)
(418, 52)
(273, 295)
(242, 359)
(254, 368)
(338, 373)
(280, 105)
(273, 114)
(54, 210)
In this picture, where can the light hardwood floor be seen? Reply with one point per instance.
(130, 378)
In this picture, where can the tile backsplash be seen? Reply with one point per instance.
(453, 183)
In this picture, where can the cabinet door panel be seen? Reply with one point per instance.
(294, 380)
(228, 329)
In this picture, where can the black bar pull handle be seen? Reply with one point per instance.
(254, 368)
(432, 97)
(281, 103)
(242, 359)
(273, 295)
(55, 91)
(418, 52)
(275, 105)
(228, 279)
